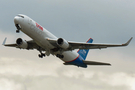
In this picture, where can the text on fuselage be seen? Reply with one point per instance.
(40, 27)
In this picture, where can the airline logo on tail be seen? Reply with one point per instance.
(83, 52)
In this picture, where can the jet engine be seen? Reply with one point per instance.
(22, 43)
(62, 43)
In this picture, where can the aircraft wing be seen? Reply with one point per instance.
(80, 45)
(76, 45)
(31, 44)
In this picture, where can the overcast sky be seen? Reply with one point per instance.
(106, 21)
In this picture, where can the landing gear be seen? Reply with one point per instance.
(41, 55)
(60, 56)
(18, 28)
(17, 31)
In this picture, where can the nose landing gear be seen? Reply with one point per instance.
(18, 28)
(17, 31)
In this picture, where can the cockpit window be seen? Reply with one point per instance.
(20, 16)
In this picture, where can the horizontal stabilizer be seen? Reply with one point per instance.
(95, 63)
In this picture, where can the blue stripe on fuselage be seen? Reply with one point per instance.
(82, 56)
(78, 62)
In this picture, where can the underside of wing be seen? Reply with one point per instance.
(11, 45)
(24, 44)
(95, 63)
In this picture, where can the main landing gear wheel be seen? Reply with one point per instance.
(41, 55)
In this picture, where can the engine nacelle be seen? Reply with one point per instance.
(63, 43)
(22, 43)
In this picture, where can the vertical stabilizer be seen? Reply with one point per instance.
(83, 52)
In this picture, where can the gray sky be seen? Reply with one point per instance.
(106, 21)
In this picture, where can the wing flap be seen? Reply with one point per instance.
(95, 63)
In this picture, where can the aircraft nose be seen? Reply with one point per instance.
(16, 19)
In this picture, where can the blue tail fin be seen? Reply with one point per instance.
(83, 52)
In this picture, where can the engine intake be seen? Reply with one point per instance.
(22, 43)
(62, 43)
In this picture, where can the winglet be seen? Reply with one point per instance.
(4, 41)
(127, 42)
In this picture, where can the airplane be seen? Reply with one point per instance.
(46, 42)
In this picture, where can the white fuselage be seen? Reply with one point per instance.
(40, 35)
